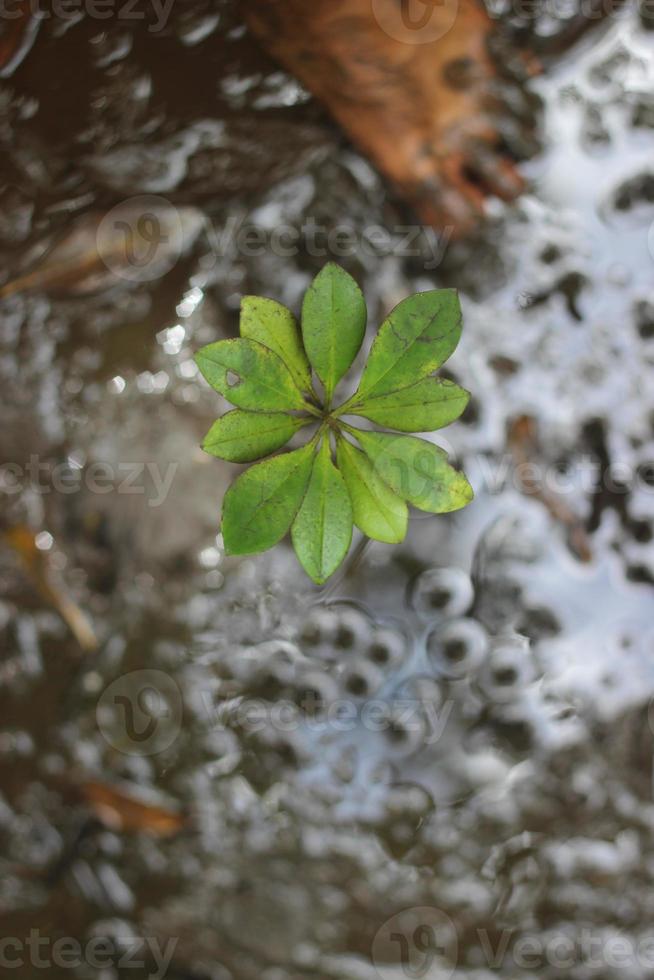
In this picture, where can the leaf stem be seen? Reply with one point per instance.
(352, 562)
(349, 428)
(346, 406)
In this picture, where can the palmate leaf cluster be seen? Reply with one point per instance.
(282, 379)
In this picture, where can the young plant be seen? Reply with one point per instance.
(343, 475)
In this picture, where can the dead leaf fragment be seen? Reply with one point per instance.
(121, 810)
(137, 241)
(523, 443)
(22, 541)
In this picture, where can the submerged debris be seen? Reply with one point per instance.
(120, 808)
(138, 241)
(24, 542)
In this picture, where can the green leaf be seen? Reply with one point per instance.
(261, 504)
(333, 324)
(378, 512)
(322, 530)
(417, 471)
(416, 338)
(241, 436)
(267, 374)
(249, 375)
(274, 326)
(430, 404)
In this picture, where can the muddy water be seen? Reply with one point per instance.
(442, 766)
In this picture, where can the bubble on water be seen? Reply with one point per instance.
(353, 628)
(442, 592)
(457, 648)
(361, 679)
(387, 648)
(507, 670)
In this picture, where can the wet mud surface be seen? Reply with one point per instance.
(441, 765)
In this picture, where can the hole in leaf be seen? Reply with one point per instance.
(233, 379)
